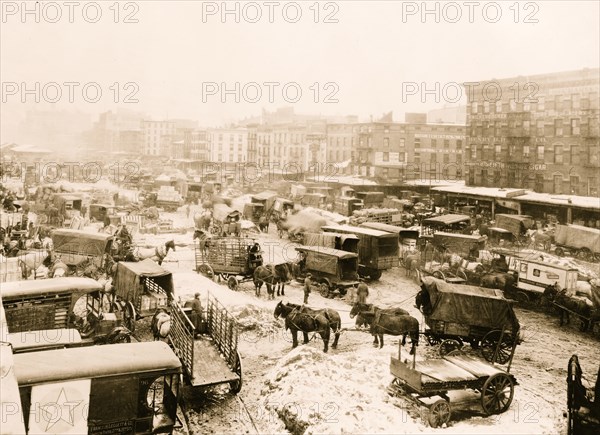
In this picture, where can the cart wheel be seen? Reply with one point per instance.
(236, 386)
(463, 275)
(324, 289)
(448, 346)
(207, 271)
(497, 393)
(233, 283)
(129, 316)
(439, 275)
(522, 297)
(585, 254)
(560, 252)
(439, 413)
(488, 347)
(375, 274)
(432, 340)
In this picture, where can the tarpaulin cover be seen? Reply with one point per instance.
(470, 305)
(81, 242)
(514, 223)
(577, 236)
(129, 277)
(222, 211)
(447, 219)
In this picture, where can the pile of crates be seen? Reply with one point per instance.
(168, 194)
(389, 216)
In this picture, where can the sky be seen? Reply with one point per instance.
(179, 56)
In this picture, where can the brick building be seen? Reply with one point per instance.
(537, 132)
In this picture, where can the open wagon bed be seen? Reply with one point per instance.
(210, 358)
(425, 381)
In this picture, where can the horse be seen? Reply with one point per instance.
(263, 224)
(411, 263)
(423, 301)
(335, 321)
(160, 325)
(360, 320)
(56, 267)
(300, 318)
(203, 220)
(274, 276)
(203, 239)
(31, 261)
(498, 280)
(157, 254)
(392, 324)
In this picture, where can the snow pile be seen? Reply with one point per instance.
(256, 319)
(328, 215)
(314, 392)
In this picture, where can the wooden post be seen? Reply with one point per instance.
(400, 350)
(414, 359)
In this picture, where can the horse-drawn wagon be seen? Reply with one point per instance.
(210, 358)
(432, 261)
(448, 223)
(334, 270)
(579, 241)
(458, 313)
(226, 221)
(77, 247)
(584, 413)
(377, 250)
(141, 288)
(233, 259)
(427, 384)
(61, 304)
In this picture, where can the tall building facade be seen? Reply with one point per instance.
(228, 145)
(158, 136)
(537, 132)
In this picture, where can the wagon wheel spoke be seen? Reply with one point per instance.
(497, 394)
(439, 413)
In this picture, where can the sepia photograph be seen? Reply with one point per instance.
(300, 217)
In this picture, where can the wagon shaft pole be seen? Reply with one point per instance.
(512, 352)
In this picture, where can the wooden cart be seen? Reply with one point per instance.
(211, 358)
(140, 288)
(460, 313)
(228, 258)
(427, 384)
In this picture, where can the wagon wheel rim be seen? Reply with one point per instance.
(232, 283)
(324, 289)
(129, 316)
(497, 394)
(432, 340)
(448, 345)
(522, 297)
(439, 413)
(439, 275)
(488, 347)
(207, 271)
(463, 275)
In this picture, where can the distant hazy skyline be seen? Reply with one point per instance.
(368, 54)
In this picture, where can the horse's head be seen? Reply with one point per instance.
(170, 245)
(358, 308)
(278, 310)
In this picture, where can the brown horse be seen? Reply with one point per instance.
(274, 276)
(498, 280)
(392, 325)
(335, 321)
(361, 321)
(300, 318)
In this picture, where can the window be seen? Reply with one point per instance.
(433, 158)
(539, 183)
(575, 127)
(592, 186)
(540, 152)
(574, 154)
(558, 184)
(513, 105)
(536, 272)
(459, 144)
(402, 143)
(401, 157)
(526, 151)
(541, 105)
(417, 143)
(474, 107)
(433, 143)
(446, 158)
(473, 152)
(459, 159)
(526, 126)
(575, 100)
(446, 143)
(574, 182)
(497, 149)
(386, 157)
(558, 154)
(386, 129)
(486, 107)
(499, 106)
(558, 103)
(386, 142)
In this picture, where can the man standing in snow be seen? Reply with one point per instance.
(362, 292)
(196, 316)
(307, 285)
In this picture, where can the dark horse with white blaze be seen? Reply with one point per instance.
(273, 276)
(304, 319)
(392, 324)
(357, 308)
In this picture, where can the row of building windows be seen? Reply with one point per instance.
(537, 103)
(573, 155)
